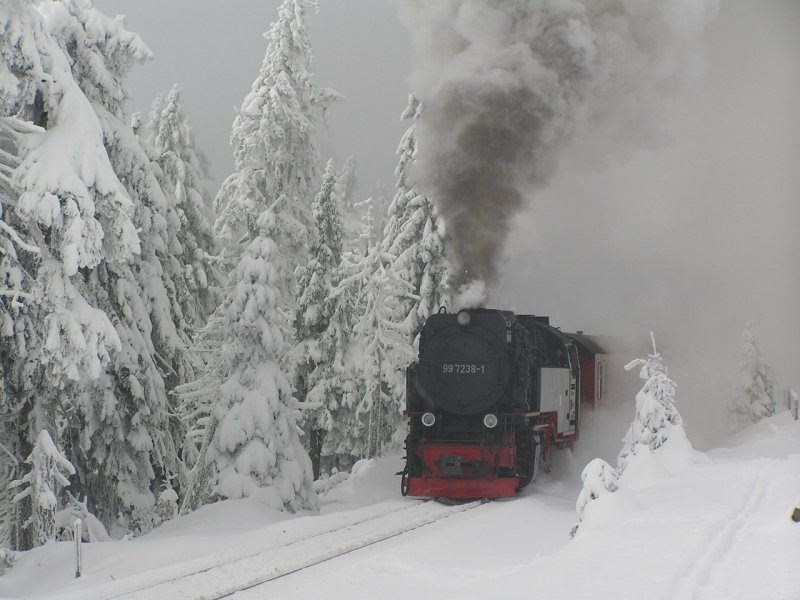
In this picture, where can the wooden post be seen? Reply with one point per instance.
(77, 530)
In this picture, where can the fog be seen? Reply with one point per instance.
(690, 232)
(692, 238)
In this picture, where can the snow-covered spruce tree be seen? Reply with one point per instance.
(124, 442)
(250, 439)
(49, 469)
(252, 446)
(183, 167)
(413, 237)
(274, 146)
(346, 182)
(314, 307)
(190, 273)
(384, 350)
(8, 473)
(338, 385)
(15, 283)
(754, 395)
(656, 413)
(63, 198)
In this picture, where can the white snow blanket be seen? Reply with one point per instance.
(709, 526)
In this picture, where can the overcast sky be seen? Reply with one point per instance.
(214, 48)
(690, 238)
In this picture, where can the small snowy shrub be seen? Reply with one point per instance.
(326, 483)
(147, 516)
(7, 558)
(166, 506)
(92, 530)
(599, 478)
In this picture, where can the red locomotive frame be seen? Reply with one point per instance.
(478, 475)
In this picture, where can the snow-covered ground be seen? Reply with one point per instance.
(714, 527)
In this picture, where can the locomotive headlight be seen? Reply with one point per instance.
(490, 421)
(428, 419)
(463, 318)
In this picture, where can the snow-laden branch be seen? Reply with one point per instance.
(201, 393)
(307, 405)
(10, 232)
(5, 194)
(17, 127)
(9, 160)
(165, 363)
(15, 294)
(11, 456)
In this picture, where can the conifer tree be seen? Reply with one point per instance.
(656, 413)
(314, 306)
(192, 280)
(414, 238)
(384, 348)
(274, 146)
(69, 211)
(123, 418)
(337, 384)
(48, 471)
(346, 182)
(183, 167)
(251, 443)
(19, 55)
(754, 396)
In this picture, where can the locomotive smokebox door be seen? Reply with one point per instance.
(464, 368)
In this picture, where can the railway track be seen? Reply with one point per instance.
(224, 578)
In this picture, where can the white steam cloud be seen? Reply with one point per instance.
(505, 84)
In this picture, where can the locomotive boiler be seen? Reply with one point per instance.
(489, 398)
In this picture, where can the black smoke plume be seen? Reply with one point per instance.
(505, 83)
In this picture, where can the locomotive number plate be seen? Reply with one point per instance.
(463, 368)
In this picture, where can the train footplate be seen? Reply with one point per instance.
(455, 470)
(439, 487)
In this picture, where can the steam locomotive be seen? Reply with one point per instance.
(490, 397)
